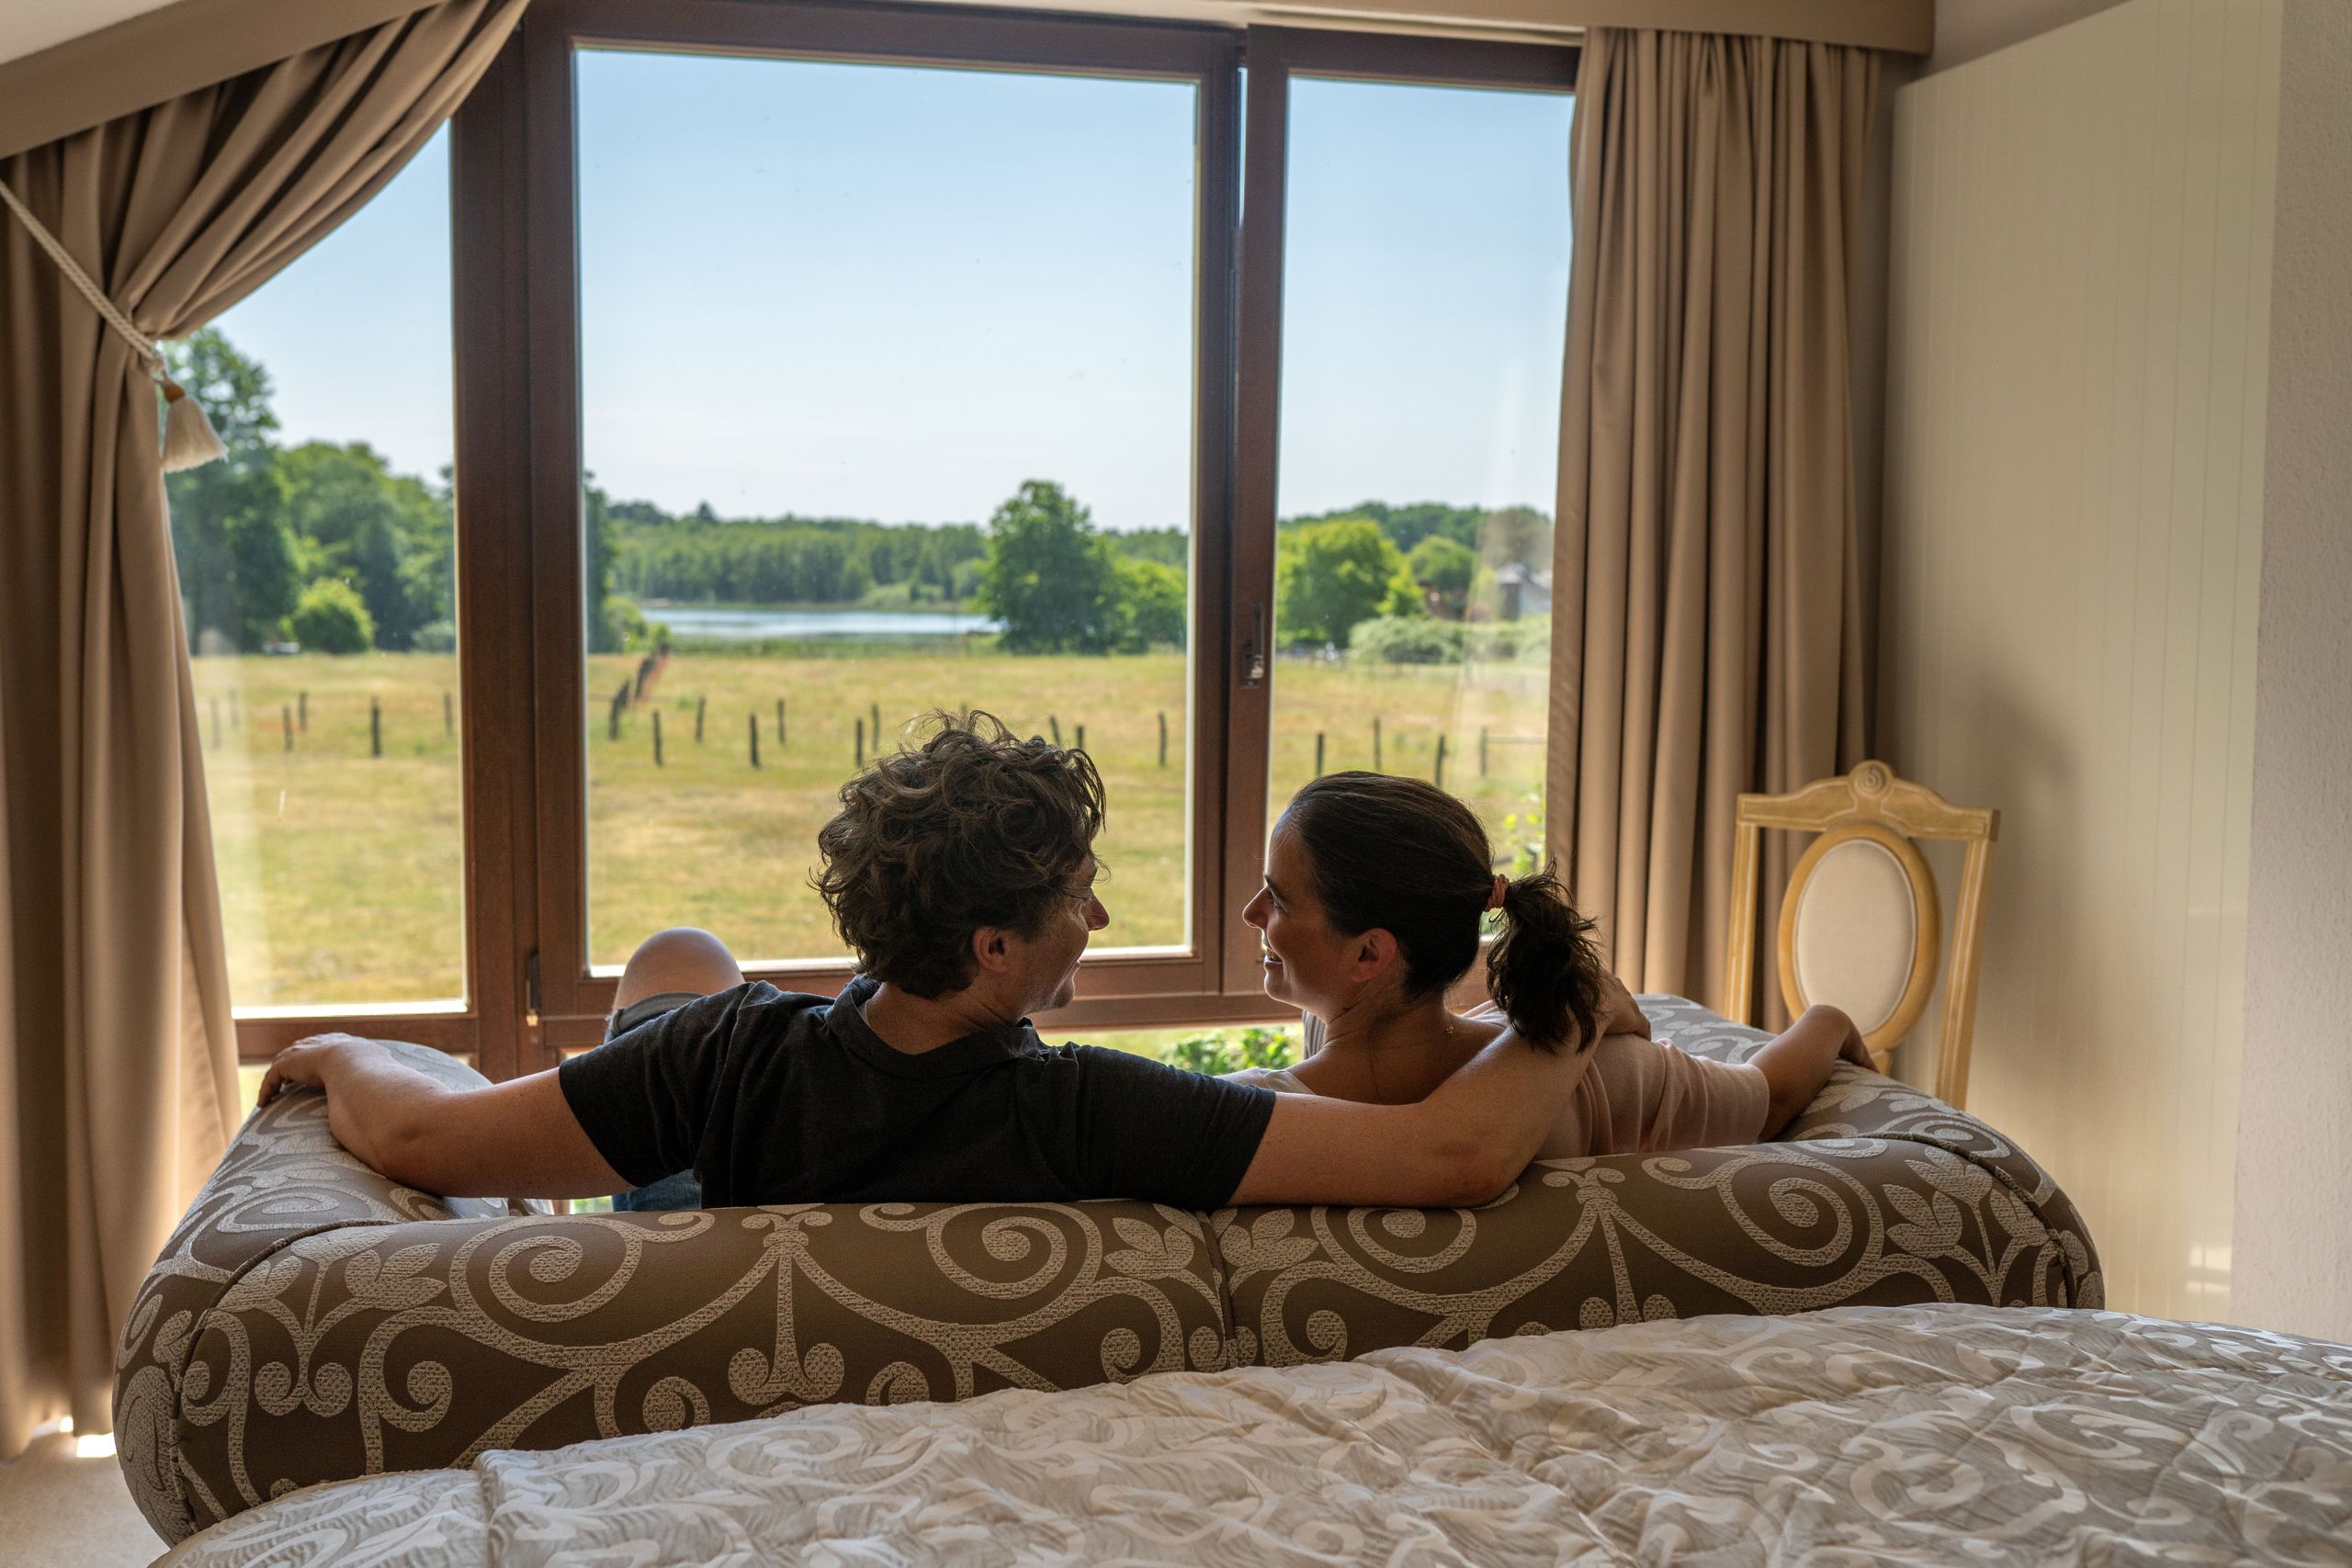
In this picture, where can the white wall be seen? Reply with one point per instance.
(1969, 29)
(2079, 330)
(2293, 1247)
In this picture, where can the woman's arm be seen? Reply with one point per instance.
(1797, 1062)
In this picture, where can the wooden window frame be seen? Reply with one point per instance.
(531, 994)
(1275, 56)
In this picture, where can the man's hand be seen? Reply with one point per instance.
(1463, 1146)
(304, 1064)
(517, 1139)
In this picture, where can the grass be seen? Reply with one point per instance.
(340, 870)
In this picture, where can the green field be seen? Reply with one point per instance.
(340, 869)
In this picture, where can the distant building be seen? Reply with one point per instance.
(1521, 592)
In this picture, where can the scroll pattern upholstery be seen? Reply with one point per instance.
(1878, 1195)
(311, 1321)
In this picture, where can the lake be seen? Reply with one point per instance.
(755, 622)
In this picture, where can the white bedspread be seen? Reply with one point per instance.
(1911, 1435)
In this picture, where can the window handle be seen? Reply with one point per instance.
(1253, 652)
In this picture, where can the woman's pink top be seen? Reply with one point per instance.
(1637, 1096)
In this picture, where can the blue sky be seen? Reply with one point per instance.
(896, 293)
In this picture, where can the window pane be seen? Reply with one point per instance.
(1419, 440)
(887, 407)
(317, 569)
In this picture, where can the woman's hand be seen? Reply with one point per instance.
(303, 1064)
(1617, 1012)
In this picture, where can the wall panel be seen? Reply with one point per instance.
(2078, 336)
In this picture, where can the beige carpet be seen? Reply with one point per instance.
(56, 1509)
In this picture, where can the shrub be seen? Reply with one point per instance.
(330, 617)
(1229, 1051)
(1527, 638)
(1407, 639)
(1151, 605)
(435, 637)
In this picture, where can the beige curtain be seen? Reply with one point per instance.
(117, 1082)
(1707, 609)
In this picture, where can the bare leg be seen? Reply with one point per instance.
(679, 959)
(1797, 1062)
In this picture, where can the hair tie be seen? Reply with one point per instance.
(1502, 885)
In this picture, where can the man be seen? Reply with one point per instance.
(961, 875)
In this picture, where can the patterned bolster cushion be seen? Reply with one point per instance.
(1879, 1195)
(311, 1321)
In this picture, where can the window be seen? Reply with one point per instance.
(317, 571)
(886, 400)
(1420, 418)
(819, 366)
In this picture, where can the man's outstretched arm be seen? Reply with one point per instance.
(517, 1139)
(1463, 1146)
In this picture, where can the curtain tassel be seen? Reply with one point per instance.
(189, 440)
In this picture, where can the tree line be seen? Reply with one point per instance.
(324, 545)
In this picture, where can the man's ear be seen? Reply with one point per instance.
(1375, 950)
(992, 949)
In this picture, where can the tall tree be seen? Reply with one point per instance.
(1331, 575)
(236, 556)
(387, 535)
(1446, 568)
(1049, 576)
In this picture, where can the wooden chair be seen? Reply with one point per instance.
(1861, 925)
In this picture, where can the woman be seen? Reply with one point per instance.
(1376, 890)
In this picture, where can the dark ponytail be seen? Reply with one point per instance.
(1406, 857)
(1544, 971)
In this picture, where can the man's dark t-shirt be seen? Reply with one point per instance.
(770, 1097)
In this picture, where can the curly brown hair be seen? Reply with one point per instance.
(972, 827)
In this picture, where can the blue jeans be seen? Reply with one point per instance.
(683, 1189)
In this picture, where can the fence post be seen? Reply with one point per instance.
(1482, 750)
(657, 738)
(449, 715)
(375, 727)
(1057, 725)
(1163, 739)
(1440, 780)
(860, 742)
(1319, 753)
(779, 724)
(302, 711)
(700, 704)
(1375, 744)
(875, 710)
(753, 721)
(286, 717)
(1081, 738)
(613, 719)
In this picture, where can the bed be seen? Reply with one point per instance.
(1905, 1435)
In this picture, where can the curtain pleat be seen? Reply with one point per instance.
(117, 1057)
(1707, 604)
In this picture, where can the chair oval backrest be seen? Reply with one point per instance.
(1862, 930)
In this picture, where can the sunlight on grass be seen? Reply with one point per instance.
(341, 870)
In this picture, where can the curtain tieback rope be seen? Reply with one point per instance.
(189, 438)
